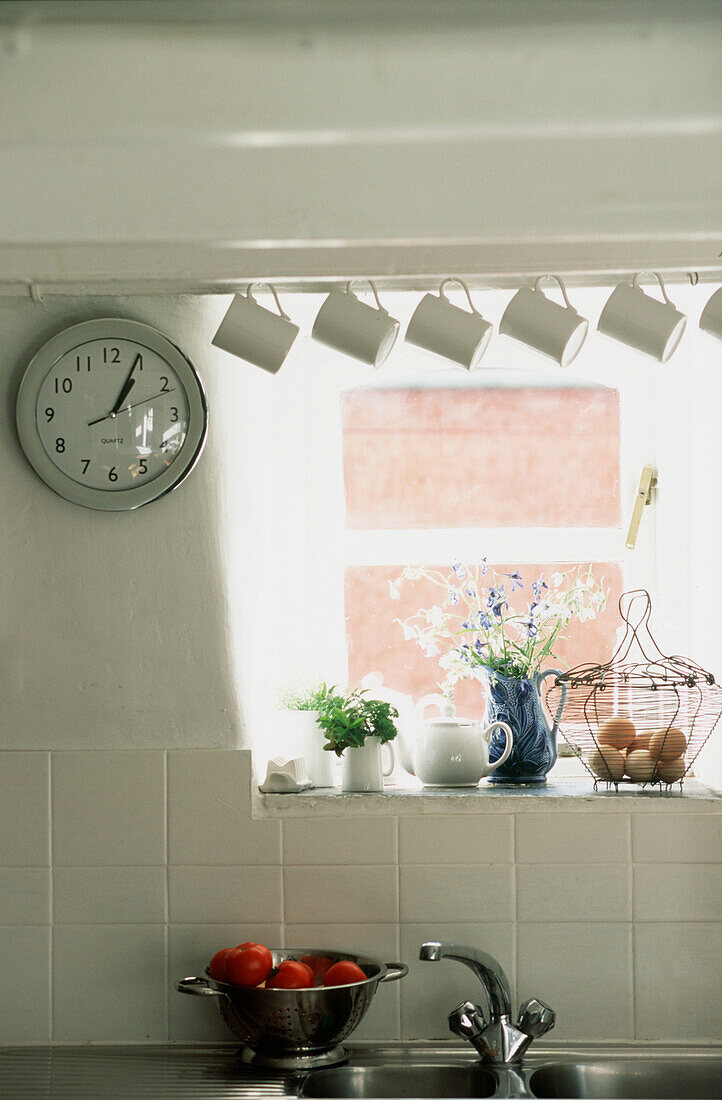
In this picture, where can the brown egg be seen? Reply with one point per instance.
(669, 771)
(667, 744)
(641, 741)
(639, 765)
(617, 732)
(607, 763)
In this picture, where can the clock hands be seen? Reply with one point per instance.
(129, 407)
(126, 388)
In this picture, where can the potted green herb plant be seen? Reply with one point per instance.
(302, 707)
(357, 729)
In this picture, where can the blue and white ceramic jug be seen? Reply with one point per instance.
(518, 703)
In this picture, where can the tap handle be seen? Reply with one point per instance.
(536, 1018)
(467, 1020)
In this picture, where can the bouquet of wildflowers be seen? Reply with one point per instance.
(473, 626)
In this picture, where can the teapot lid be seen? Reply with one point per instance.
(448, 717)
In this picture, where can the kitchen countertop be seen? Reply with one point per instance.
(184, 1072)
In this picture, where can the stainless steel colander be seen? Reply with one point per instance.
(296, 1028)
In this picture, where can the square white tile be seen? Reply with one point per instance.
(109, 895)
(341, 895)
(25, 1002)
(584, 971)
(432, 990)
(574, 892)
(190, 949)
(379, 941)
(467, 838)
(209, 812)
(454, 894)
(224, 895)
(343, 840)
(109, 983)
(24, 895)
(25, 809)
(572, 838)
(677, 981)
(677, 891)
(676, 838)
(108, 807)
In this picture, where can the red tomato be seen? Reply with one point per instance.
(249, 966)
(319, 964)
(217, 969)
(267, 954)
(344, 973)
(292, 975)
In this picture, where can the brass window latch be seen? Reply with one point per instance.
(647, 482)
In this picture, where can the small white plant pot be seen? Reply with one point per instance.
(306, 739)
(362, 768)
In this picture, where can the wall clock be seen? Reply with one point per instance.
(111, 414)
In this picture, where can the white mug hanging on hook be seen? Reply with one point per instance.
(537, 321)
(642, 322)
(349, 325)
(258, 335)
(444, 329)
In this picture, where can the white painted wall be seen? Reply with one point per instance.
(113, 627)
(564, 133)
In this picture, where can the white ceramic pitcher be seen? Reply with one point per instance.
(451, 751)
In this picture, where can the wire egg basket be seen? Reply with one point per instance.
(642, 721)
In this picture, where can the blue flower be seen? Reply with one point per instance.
(482, 621)
(496, 601)
(479, 646)
(484, 566)
(538, 587)
(530, 626)
(452, 597)
(459, 570)
(515, 579)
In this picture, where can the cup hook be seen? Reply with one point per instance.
(540, 280)
(461, 282)
(349, 290)
(271, 287)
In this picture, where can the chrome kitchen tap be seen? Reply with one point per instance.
(499, 1041)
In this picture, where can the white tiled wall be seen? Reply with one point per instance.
(121, 872)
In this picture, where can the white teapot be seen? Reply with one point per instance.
(451, 751)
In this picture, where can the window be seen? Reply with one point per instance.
(356, 474)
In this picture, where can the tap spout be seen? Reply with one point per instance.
(487, 969)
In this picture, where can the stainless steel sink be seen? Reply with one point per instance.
(582, 1072)
(393, 1081)
(686, 1078)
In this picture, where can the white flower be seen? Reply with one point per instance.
(411, 633)
(394, 590)
(435, 616)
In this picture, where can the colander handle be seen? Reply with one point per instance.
(394, 972)
(199, 987)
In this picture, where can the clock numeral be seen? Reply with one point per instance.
(63, 387)
(49, 414)
(164, 384)
(112, 476)
(78, 363)
(86, 463)
(111, 355)
(60, 445)
(173, 414)
(143, 466)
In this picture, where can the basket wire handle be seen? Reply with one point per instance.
(637, 627)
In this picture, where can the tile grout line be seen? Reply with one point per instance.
(166, 925)
(398, 921)
(282, 850)
(632, 978)
(515, 928)
(51, 900)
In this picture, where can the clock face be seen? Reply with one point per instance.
(111, 414)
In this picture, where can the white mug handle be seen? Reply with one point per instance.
(392, 759)
(537, 286)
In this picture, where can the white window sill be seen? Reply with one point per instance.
(564, 794)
